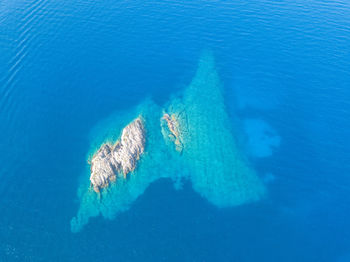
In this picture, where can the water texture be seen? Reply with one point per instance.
(74, 73)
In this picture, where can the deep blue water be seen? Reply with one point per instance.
(65, 65)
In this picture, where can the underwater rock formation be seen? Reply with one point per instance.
(112, 160)
(175, 130)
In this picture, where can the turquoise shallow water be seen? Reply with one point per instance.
(210, 158)
(73, 73)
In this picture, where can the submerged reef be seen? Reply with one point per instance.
(263, 140)
(111, 160)
(173, 129)
(190, 137)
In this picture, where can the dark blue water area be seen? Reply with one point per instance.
(65, 65)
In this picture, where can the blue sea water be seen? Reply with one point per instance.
(285, 71)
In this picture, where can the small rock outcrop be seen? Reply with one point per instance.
(174, 128)
(119, 159)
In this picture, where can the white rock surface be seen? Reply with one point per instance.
(120, 158)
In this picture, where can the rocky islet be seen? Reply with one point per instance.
(112, 161)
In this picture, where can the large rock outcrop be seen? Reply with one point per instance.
(112, 161)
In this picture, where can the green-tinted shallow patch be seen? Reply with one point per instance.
(218, 169)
